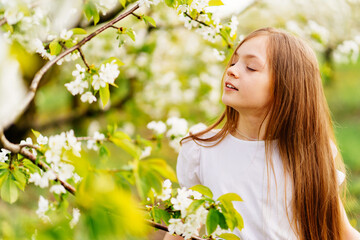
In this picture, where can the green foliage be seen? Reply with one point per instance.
(203, 190)
(55, 47)
(149, 20)
(104, 95)
(229, 236)
(91, 12)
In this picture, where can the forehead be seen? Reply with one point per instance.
(254, 48)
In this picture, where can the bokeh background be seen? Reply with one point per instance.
(173, 71)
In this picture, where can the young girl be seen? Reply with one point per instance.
(276, 148)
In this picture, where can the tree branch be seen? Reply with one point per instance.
(36, 80)
(16, 148)
(83, 58)
(165, 228)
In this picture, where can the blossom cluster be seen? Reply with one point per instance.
(188, 224)
(107, 74)
(4, 155)
(55, 148)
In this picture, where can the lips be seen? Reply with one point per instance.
(227, 84)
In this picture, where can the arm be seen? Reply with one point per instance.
(350, 233)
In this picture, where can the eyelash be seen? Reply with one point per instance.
(250, 69)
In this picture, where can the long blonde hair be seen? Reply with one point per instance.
(300, 121)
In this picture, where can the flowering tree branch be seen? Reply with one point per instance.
(16, 148)
(36, 80)
(164, 228)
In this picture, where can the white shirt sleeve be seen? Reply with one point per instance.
(340, 175)
(188, 164)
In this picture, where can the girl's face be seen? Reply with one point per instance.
(250, 76)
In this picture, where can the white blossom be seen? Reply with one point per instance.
(88, 97)
(77, 178)
(159, 127)
(176, 226)
(75, 218)
(43, 207)
(3, 154)
(66, 35)
(218, 231)
(179, 126)
(166, 190)
(219, 55)
(109, 72)
(77, 86)
(52, 157)
(105, 5)
(182, 201)
(97, 82)
(38, 180)
(79, 72)
(146, 152)
(58, 189)
(233, 25)
(42, 140)
(27, 141)
(147, 3)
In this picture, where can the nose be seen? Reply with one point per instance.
(232, 72)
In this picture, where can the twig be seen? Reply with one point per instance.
(2, 21)
(83, 58)
(194, 19)
(28, 145)
(165, 228)
(15, 148)
(137, 16)
(90, 138)
(36, 80)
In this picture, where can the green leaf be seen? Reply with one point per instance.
(121, 135)
(3, 165)
(55, 47)
(149, 20)
(130, 33)
(20, 178)
(240, 221)
(194, 206)
(123, 2)
(229, 236)
(222, 221)
(127, 145)
(115, 59)
(103, 152)
(212, 221)
(36, 133)
(230, 197)
(215, 3)
(30, 165)
(90, 10)
(3, 175)
(160, 166)
(104, 95)
(203, 190)
(9, 191)
(78, 31)
(170, 3)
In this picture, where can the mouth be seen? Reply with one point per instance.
(229, 86)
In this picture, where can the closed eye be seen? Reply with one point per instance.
(232, 64)
(251, 69)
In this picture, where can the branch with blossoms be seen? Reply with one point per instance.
(38, 76)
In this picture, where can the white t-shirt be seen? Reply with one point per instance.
(239, 166)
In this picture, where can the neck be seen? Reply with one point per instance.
(252, 126)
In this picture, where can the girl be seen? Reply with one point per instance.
(276, 148)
